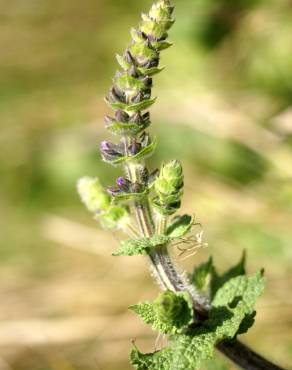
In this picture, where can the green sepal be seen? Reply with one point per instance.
(180, 226)
(141, 246)
(126, 129)
(170, 313)
(130, 108)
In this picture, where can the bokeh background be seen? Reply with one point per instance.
(224, 109)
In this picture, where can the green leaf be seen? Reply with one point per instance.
(233, 303)
(160, 360)
(202, 277)
(142, 246)
(219, 280)
(243, 289)
(170, 313)
(180, 226)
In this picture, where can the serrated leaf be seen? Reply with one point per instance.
(160, 360)
(234, 302)
(141, 246)
(243, 289)
(169, 314)
(187, 351)
(219, 280)
(202, 276)
(180, 226)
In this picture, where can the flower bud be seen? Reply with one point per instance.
(169, 188)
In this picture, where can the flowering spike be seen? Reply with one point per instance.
(131, 92)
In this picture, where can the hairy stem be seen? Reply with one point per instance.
(169, 277)
(160, 223)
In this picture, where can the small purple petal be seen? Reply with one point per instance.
(104, 145)
(121, 182)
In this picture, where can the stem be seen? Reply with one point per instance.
(144, 218)
(244, 357)
(160, 223)
(170, 278)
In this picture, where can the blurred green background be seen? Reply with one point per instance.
(224, 109)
